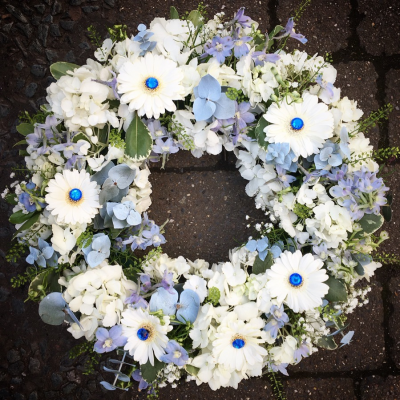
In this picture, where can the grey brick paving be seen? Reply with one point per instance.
(363, 36)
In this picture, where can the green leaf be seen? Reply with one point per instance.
(138, 140)
(387, 213)
(149, 372)
(23, 141)
(113, 103)
(260, 134)
(19, 217)
(173, 13)
(25, 128)
(259, 266)
(23, 153)
(371, 223)
(131, 273)
(337, 290)
(10, 199)
(48, 279)
(27, 224)
(196, 18)
(80, 136)
(327, 342)
(192, 370)
(59, 69)
(276, 30)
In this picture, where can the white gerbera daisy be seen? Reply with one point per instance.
(146, 336)
(72, 197)
(305, 126)
(237, 344)
(297, 280)
(150, 84)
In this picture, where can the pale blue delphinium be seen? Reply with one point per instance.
(109, 340)
(285, 179)
(241, 19)
(185, 306)
(289, 31)
(98, 250)
(302, 352)
(143, 38)
(174, 353)
(157, 131)
(136, 301)
(261, 57)
(329, 156)
(240, 47)
(220, 48)
(146, 283)
(165, 147)
(26, 199)
(279, 367)
(327, 86)
(153, 236)
(137, 376)
(210, 101)
(44, 256)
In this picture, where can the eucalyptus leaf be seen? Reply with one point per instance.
(25, 128)
(149, 372)
(120, 375)
(259, 266)
(101, 176)
(60, 69)
(173, 13)
(108, 385)
(337, 290)
(327, 343)
(51, 309)
(138, 140)
(114, 361)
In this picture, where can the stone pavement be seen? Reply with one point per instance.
(203, 198)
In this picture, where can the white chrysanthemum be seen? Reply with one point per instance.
(150, 84)
(72, 197)
(146, 336)
(237, 344)
(305, 126)
(297, 281)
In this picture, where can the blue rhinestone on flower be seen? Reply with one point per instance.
(143, 334)
(151, 83)
(295, 279)
(238, 343)
(75, 194)
(297, 123)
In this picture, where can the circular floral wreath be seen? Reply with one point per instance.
(187, 84)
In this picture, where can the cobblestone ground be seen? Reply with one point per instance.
(204, 198)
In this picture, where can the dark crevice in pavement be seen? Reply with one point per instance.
(272, 12)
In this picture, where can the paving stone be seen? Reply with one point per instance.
(198, 205)
(254, 389)
(185, 159)
(67, 25)
(378, 31)
(367, 349)
(393, 97)
(357, 80)
(317, 388)
(324, 23)
(16, 13)
(380, 388)
(394, 320)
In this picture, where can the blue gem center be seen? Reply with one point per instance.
(151, 83)
(75, 194)
(238, 343)
(143, 334)
(297, 123)
(295, 279)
